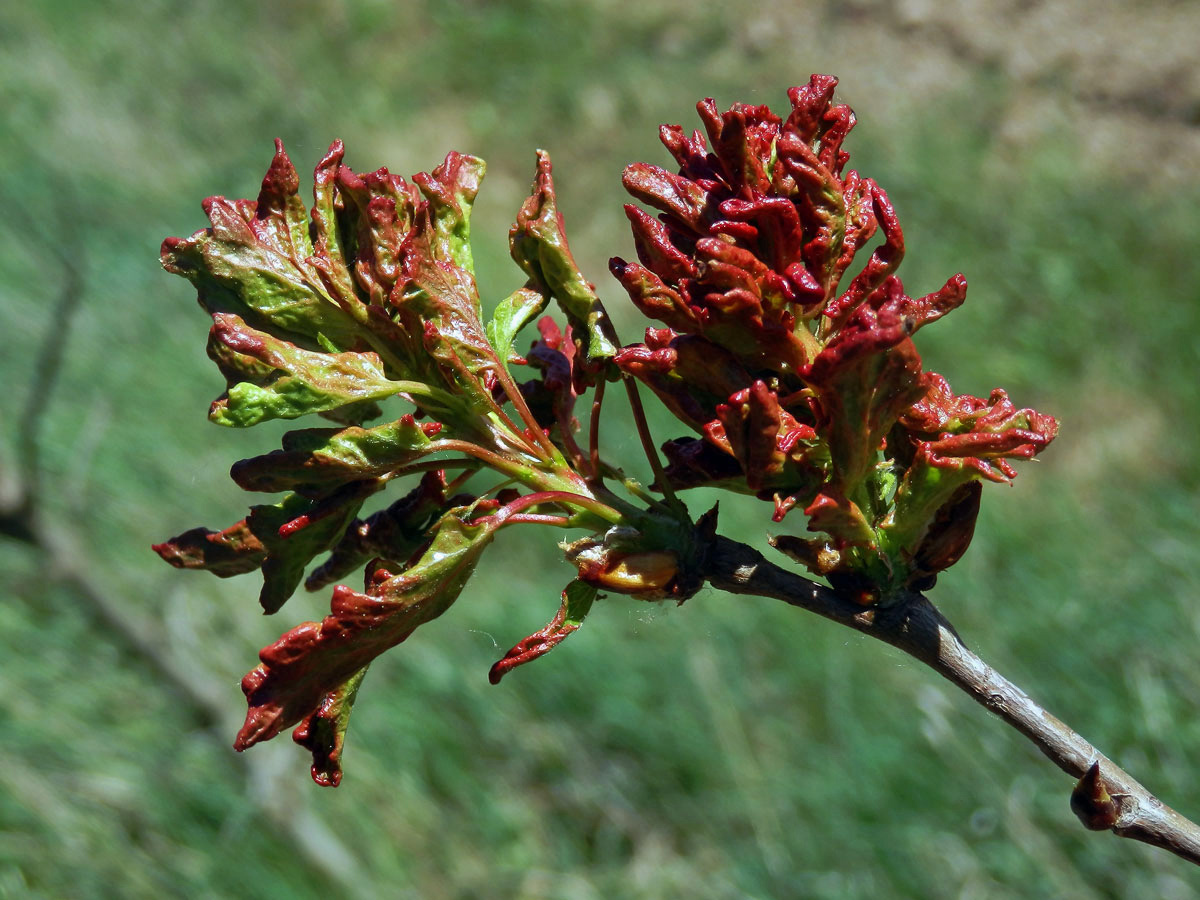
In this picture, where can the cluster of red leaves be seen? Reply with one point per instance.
(798, 389)
(803, 391)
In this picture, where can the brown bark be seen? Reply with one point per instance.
(1106, 797)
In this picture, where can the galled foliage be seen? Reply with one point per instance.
(800, 388)
(797, 388)
(370, 300)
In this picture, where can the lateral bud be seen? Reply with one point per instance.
(1092, 803)
(618, 564)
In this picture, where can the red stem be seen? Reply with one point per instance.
(495, 460)
(540, 519)
(643, 430)
(518, 401)
(565, 498)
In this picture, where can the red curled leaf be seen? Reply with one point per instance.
(674, 195)
(749, 424)
(323, 731)
(754, 271)
(577, 599)
(839, 517)
(538, 244)
(396, 532)
(972, 440)
(868, 373)
(653, 296)
(689, 374)
(314, 461)
(234, 551)
(655, 247)
(884, 260)
(315, 658)
(818, 121)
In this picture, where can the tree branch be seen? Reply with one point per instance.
(1106, 797)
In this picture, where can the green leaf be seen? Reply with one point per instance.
(441, 301)
(515, 311)
(538, 244)
(323, 732)
(577, 601)
(295, 531)
(450, 190)
(244, 266)
(328, 243)
(315, 658)
(284, 381)
(281, 212)
(316, 460)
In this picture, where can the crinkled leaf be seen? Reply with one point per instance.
(282, 218)
(323, 731)
(316, 460)
(883, 261)
(656, 249)
(437, 297)
(690, 374)
(973, 441)
(653, 296)
(834, 514)
(396, 532)
(677, 196)
(377, 211)
(253, 261)
(294, 531)
(715, 289)
(315, 658)
(450, 190)
(866, 376)
(577, 599)
(770, 445)
(441, 302)
(746, 257)
(747, 426)
(538, 244)
(696, 463)
(287, 381)
(388, 269)
(329, 244)
(234, 551)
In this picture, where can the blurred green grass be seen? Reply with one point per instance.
(725, 749)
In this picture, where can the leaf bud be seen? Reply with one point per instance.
(616, 564)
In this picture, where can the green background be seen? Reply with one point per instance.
(729, 748)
